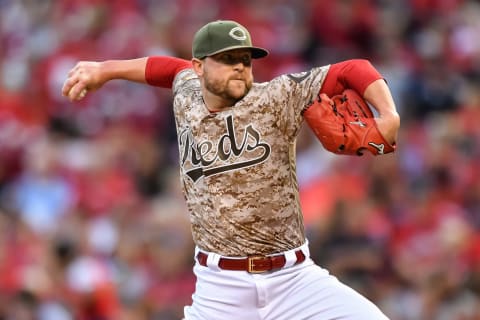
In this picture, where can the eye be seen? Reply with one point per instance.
(231, 59)
(246, 60)
(227, 59)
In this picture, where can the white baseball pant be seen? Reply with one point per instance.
(302, 291)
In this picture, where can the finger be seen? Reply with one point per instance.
(78, 91)
(68, 84)
(82, 94)
(73, 76)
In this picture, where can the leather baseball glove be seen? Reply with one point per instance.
(345, 124)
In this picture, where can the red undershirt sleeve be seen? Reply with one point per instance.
(354, 74)
(160, 71)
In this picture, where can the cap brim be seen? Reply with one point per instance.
(257, 52)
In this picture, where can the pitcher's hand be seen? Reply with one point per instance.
(84, 77)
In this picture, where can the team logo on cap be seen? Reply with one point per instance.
(238, 33)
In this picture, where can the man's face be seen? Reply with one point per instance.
(229, 74)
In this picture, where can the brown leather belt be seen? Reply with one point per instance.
(252, 264)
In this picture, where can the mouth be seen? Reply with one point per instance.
(237, 82)
(237, 77)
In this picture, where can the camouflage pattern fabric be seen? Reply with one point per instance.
(238, 165)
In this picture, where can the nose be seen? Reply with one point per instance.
(238, 66)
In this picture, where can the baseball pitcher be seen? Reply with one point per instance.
(237, 167)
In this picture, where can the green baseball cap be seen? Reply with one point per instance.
(223, 35)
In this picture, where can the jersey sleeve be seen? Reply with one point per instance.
(354, 74)
(300, 89)
(160, 71)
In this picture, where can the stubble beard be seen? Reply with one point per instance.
(223, 90)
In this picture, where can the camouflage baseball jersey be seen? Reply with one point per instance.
(238, 165)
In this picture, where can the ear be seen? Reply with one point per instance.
(198, 66)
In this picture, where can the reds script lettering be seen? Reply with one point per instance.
(203, 156)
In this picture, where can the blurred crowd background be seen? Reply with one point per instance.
(92, 220)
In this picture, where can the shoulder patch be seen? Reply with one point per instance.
(299, 77)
